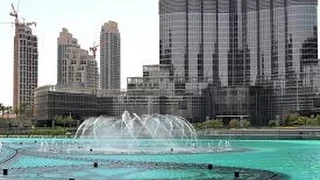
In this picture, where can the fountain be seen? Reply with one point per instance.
(146, 134)
(160, 146)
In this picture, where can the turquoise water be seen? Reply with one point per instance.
(298, 159)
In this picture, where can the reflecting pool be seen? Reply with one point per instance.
(279, 159)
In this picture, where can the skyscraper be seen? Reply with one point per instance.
(75, 66)
(237, 41)
(232, 44)
(25, 67)
(110, 56)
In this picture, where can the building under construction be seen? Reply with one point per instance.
(25, 65)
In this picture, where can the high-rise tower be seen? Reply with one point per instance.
(110, 61)
(238, 42)
(75, 66)
(230, 44)
(25, 67)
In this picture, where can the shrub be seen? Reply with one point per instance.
(272, 123)
(302, 120)
(292, 119)
(312, 122)
(234, 123)
(297, 120)
(214, 124)
(317, 119)
(63, 121)
(245, 123)
(57, 131)
(209, 124)
(199, 126)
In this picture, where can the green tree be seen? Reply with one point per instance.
(69, 120)
(60, 121)
(16, 111)
(234, 123)
(9, 109)
(63, 121)
(2, 109)
(22, 109)
(29, 113)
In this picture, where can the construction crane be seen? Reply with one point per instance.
(7, 23)
(14, 13)
(94, 49)
(31, 23)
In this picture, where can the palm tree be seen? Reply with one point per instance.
(2, 109)
(22, 109)
(60, 120)
(9, 110)
(16, 111)
(30, 113)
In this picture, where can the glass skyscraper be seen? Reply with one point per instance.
(270, 44)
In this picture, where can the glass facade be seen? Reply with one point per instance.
(82, 103)
(271, 44)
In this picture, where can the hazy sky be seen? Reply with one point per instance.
(138, 24)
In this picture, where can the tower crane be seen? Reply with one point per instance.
(93, 49)
(31, 23)
(14, 13)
